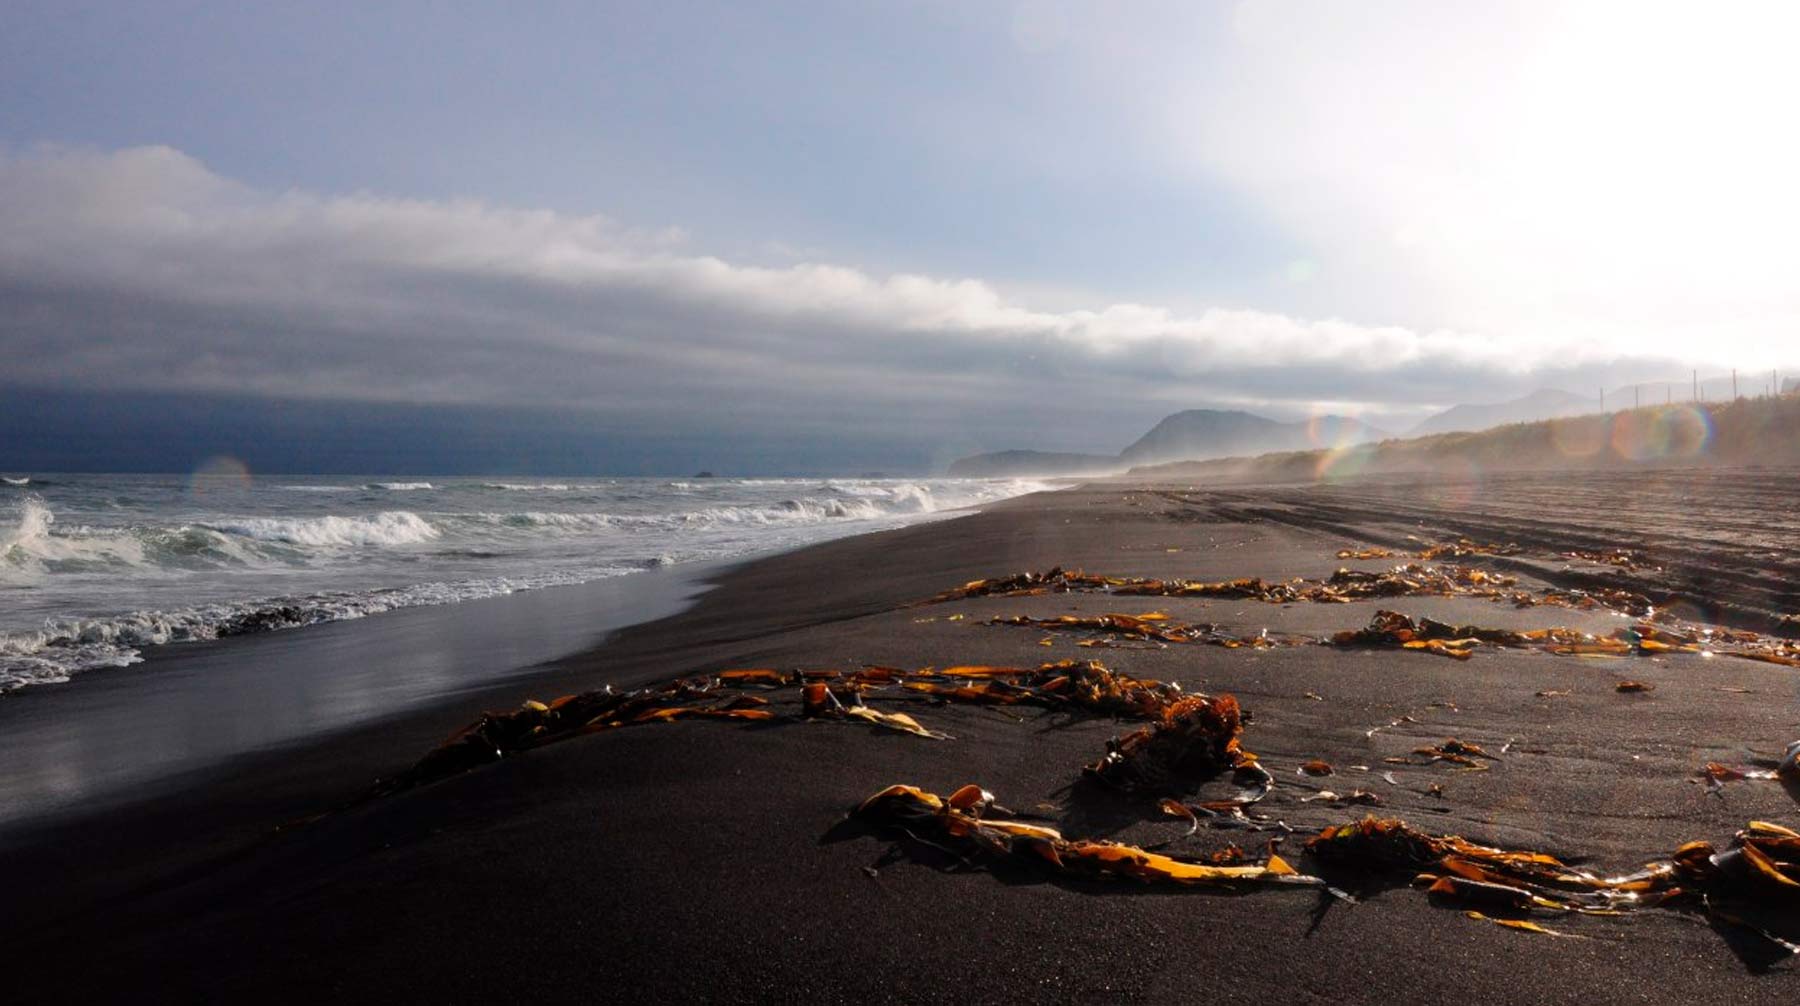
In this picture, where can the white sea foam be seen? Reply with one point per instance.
(400, 486)
(64, 647)
(31, 547)
(32, 529)
(129, 562)
(390, 527)
(9, 480)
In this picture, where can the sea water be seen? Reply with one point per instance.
(95, 568)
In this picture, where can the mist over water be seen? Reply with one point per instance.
(93, 568)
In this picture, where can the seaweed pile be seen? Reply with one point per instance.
(1194, 738)
(1152, 626)
(1394, 630)
(1461, 548)
(495, 735)
(1390, 629)
(1342, 587)
(1753, 883)
(956, 825)
(1085, 687)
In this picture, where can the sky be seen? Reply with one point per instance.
(842, 237)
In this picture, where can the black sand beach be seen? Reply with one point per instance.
(121, 735)
(705, 859)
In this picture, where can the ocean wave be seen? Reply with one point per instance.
(66, 647)
(850, 502)
(526, 487)
(37, 546)
(9, 480)
(211, 560)
(32, 547)
(389, 527)
(398, 487)
(321, 489)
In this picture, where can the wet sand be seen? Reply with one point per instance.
(122, 734)
(691, 859)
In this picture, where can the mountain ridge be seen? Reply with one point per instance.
(1188, 435)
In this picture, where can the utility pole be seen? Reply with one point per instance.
(1634, 394)
(1603, 400)
(1734, 384)
(1696, 386)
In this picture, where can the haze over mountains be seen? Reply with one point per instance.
(1545, 403)
(1190, 435)
(1206, 434)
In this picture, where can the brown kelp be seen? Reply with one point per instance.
(1154, 627)
(957, 825)
(1193, 739)
(1084, 687)
(1390, 629)
(1409, 580)
(1754, 882)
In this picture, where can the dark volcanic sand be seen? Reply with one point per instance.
(685, 860)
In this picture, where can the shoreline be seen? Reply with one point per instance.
(696, 859)
(76, 747)
(223, 810)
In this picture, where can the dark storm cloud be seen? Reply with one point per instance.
(141, 271)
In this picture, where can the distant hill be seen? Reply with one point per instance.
(1750, 431)
(1016, 463)
(1545, 403)
(1194, 435)
(1198, 434)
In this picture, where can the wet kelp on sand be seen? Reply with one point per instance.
(1186, 740)
(1753, 884)
(1194, 738)
(1152, 627)
(956, 825)
(1084, 687)
(1342, 587)
(1392, 630)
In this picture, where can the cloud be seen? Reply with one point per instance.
(141, 269)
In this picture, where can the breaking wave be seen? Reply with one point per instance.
(65, 647)
(390, 527)
(36, 543)
(170, 572)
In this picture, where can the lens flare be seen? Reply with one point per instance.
(1579, 436)
(217, 474)
(1342, 462)
(1688, 431)
(1458, 483)
(1331, 431)
(1674, 432)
